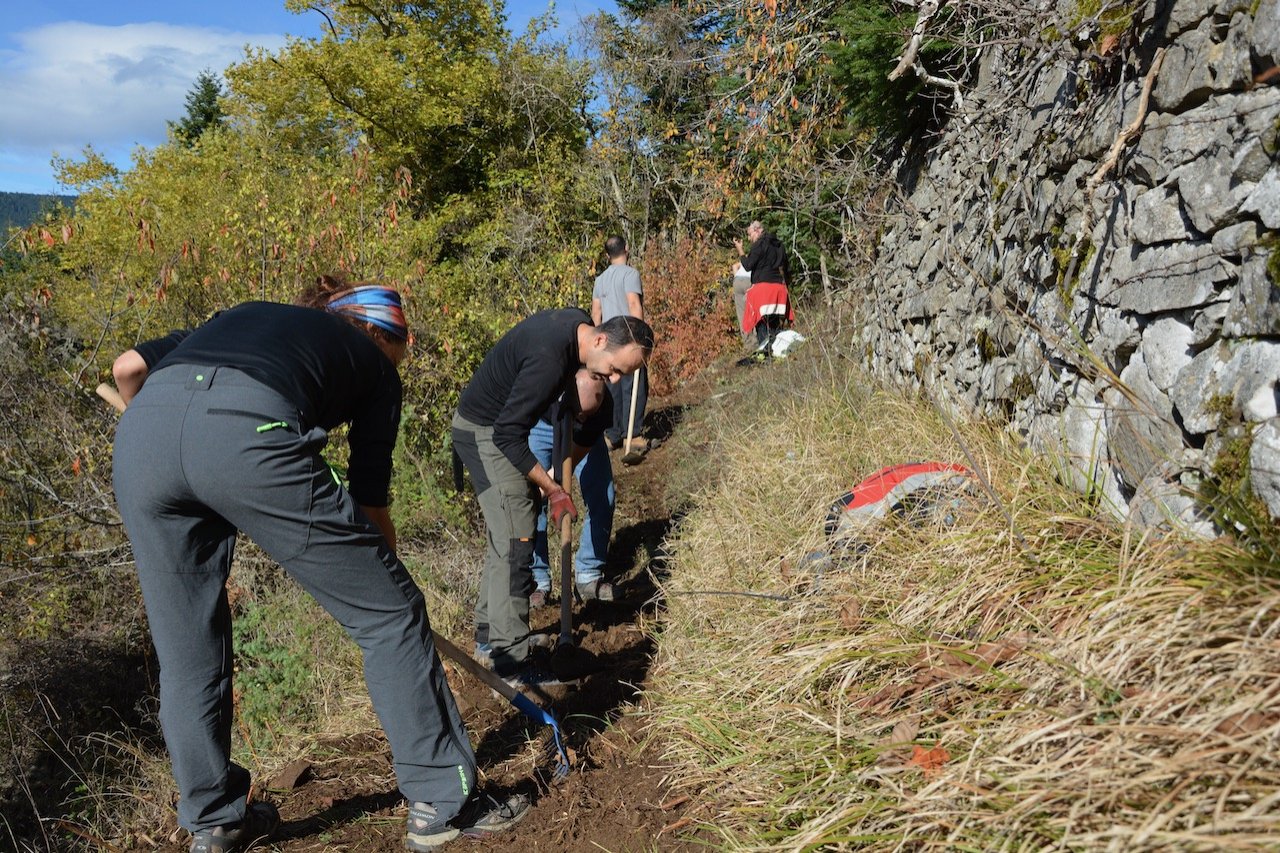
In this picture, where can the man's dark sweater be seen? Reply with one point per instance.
(521, 376)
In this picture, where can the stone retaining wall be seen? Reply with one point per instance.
(1157, 363)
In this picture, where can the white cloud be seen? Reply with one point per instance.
(72, 84)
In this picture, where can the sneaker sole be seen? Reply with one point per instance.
(423, 841)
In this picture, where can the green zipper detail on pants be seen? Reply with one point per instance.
(273, 425)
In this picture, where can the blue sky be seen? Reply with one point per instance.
(110, 73)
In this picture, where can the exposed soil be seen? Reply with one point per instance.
(616, 796)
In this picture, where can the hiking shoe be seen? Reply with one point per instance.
(541, 641)
(484, 654)
(532, 676)
(260, 820)
(425, 830)
(484, 815)
(538, 599)
(598, 590)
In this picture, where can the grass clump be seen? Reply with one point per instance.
(1033, 675)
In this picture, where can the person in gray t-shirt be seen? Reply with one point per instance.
(618, 292)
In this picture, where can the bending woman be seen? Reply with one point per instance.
(224, 433)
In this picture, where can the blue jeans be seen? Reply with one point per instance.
(595, 476)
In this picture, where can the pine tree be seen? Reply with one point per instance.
(203, 109)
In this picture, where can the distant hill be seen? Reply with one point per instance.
(22, 209)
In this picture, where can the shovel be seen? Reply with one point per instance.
(566, 567)
(111, 395)
(629, 456)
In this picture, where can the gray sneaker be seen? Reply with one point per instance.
(260, 821)
(539, 640)
(595, 590)
(425, 830)
(482, 815)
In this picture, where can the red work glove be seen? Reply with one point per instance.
(560, 504)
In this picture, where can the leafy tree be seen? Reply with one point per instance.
(204, 111)
(414, 80)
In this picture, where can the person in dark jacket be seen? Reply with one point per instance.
(767, 260)
(767, 306)
(223, 433)
(522, 375)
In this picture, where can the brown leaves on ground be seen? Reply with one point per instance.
(946, 664)
(1246, 723)
(929, 760)
(851, 614)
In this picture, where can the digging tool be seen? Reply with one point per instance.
(522, 703)
(111, 395)
(630, 457)
(566, 566)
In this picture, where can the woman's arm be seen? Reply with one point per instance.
(381, 518)
(129, 371)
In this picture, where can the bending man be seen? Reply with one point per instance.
(519, 378)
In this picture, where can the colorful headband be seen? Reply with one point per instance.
(373, 303)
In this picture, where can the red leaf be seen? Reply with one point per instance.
(930, 760)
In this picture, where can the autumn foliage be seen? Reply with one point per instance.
(689, 303)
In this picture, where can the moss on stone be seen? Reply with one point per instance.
(1113, 18)
(986, 346)
(1270, 243)
(1062, 261)
(1228, 490)
(1022, 386)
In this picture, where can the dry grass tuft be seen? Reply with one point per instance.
(1064, 682)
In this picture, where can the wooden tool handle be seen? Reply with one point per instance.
(473, 666)
(631, 416)
(566, 560)
(112, 396)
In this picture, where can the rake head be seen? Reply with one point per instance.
(526, 706)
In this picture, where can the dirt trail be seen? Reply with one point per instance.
(615, 798)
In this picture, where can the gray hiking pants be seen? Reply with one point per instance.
(203, 452)
(510, 502)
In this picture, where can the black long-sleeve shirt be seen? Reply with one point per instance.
(766, 260)
(327, 368)
(521, 376)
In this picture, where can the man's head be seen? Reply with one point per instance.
(590, 394)
(615, 247)
(616, 348)
(754, 230)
